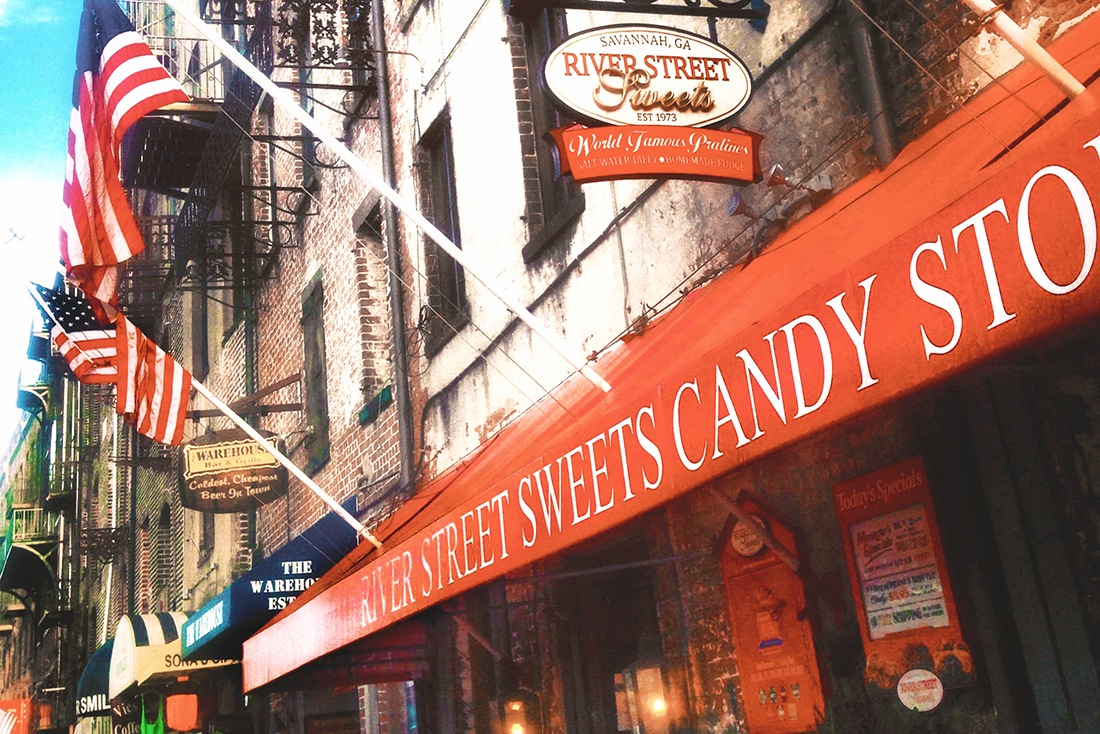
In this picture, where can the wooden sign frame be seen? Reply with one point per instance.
(896, 565)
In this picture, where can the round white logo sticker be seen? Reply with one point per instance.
(920, 690)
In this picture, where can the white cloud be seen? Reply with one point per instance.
(31, 210)
(44, 15)
(15, 12)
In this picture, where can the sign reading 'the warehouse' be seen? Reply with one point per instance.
(229, 472)
(656, 87)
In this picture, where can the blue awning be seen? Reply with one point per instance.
(222, 624)
(92, 691)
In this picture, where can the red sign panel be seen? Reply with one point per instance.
(899, 578)
(651, 151)
(780, 681)
(15, 716)
(1008, 262)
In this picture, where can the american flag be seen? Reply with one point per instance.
(152, 389)
(118, 80)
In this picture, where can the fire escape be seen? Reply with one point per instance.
(214, 220)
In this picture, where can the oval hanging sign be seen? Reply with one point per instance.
(641, 74)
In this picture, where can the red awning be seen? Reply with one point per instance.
(979, 238)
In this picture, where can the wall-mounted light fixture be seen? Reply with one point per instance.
(646, 689)
(647, 697)
(519, 713)
(736, 206)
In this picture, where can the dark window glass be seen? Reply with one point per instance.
(163, 561)
(206, 537)
(556, 200)
(314, 378)
(447, 306)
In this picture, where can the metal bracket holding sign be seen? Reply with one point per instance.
(754, 10)
(896, 565)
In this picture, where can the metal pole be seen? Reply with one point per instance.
(356, 164)
(405, 438)
(1027, 46)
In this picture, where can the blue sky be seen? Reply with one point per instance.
(37, 60)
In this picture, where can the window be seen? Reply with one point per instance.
(163, 563)
(144, 572)
(553, 202)
(315, 377)
(309, 143)
(447, 306)
(206, 536)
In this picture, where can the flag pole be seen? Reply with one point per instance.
(280, 95)
(282, 459)
(335, 506)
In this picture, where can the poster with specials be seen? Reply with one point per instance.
(898, 576)
(899, 580)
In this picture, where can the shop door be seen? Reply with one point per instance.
(1032, 437)
(610, 631)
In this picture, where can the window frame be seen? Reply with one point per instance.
(447, 300)
(553, 202)
(317, 443)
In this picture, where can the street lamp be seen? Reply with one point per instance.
(646, 689)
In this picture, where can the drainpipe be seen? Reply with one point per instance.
(870, 76)
(403, 396)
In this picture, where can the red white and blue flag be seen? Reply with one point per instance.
(118, 80)
(151, 388)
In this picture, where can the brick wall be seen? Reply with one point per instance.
(522, 81)
(319, 238)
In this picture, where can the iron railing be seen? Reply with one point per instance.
(33, 525)
(188, 56)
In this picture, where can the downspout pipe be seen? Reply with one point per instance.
(870, 76)
(403, 396)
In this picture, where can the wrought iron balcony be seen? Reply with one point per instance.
(203, 235)
(184, 51)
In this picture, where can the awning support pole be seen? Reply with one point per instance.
(756, 529)
(1026, 45)
(280, 96)
(290, 465)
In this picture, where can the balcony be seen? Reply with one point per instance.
(184, 152)
(31, 525)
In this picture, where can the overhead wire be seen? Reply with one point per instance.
(282, 169)
(680, 290)
(457, 333)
